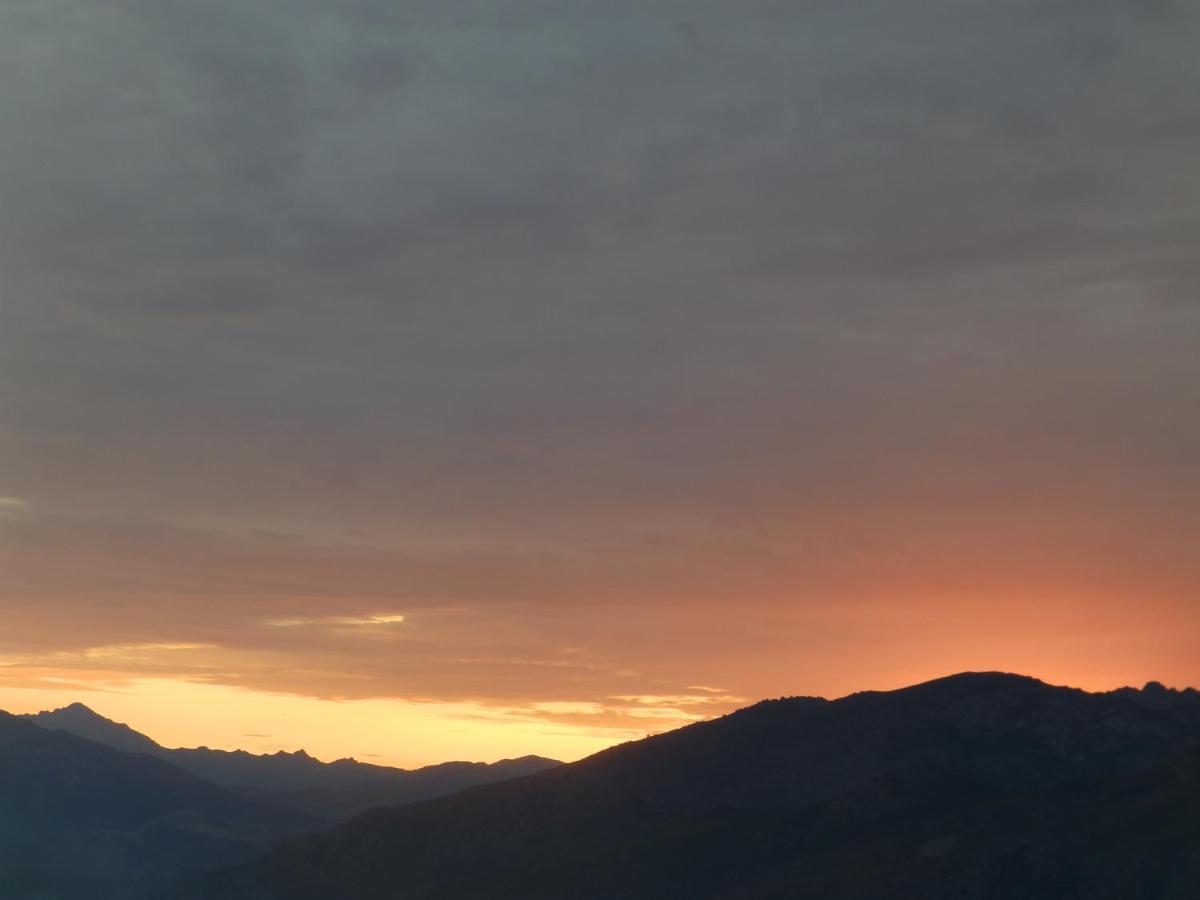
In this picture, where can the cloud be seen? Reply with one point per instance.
(377, 619)
(680, 699)
(561, 707)
(132, 652)
(571, 332)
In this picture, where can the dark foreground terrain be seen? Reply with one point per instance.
(974, 786)
(92, 810)
(82, 820)
(324, 793)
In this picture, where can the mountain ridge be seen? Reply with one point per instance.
(328, 791)
(81, 819)
(938, 788)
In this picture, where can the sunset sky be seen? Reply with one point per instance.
(426, 380)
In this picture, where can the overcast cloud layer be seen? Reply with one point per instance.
(618, 347)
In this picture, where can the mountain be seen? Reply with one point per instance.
(356, 787)
(329, 792)
(80, 721)
(976, 786)
(82, 820)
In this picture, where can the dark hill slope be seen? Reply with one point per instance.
(949, 789)
(82, 820)
(1128, 836)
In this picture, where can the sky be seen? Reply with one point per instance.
(421, 380)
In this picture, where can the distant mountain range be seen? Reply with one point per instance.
(971, 787)
(92, 810)
(81, 820)
(325, 792)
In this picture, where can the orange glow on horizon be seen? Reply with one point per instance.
(383, 732)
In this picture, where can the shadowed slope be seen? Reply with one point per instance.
(330, 792)
(923, 792)
(79, 819)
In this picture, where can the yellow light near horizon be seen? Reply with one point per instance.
(386, 732)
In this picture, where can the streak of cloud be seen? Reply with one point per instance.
(577, 355)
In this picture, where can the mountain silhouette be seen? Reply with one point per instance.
(82, 820)
(327, 792)
(969, 787)
(81, 721)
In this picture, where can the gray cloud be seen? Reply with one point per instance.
(625, 283)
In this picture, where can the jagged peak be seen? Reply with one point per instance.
(292, 754)
(81, 711)
(76, 708)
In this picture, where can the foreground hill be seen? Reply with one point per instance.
(974, 786)
(82, 820)
(330, 792)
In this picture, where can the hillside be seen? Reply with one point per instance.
(973, 786)
(83, 820)
(327, 792)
